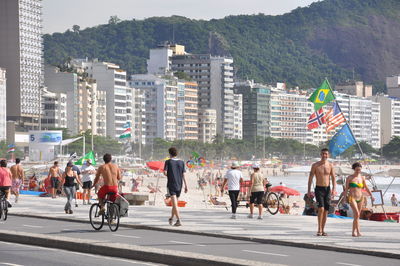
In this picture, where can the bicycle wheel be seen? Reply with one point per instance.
(272, 203)
(113, 217)
(4, 210)
(96, 220)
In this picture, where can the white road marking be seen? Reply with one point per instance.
(33, 226)
(265, 253)
(348, 264)
(126, 236)
(10, 264)
(78, 253)
(187, 243)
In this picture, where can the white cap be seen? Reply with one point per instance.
(256, 165)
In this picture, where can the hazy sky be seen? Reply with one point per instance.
(59, 15)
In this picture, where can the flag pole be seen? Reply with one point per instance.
(352, 133)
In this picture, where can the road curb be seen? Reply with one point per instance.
(242, 238)
(134, 252)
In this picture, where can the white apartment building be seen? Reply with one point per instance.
(21, 54)
(161, 105)
(187, 111)
(390, 117)
(54, 114)
(138, 114)
(363, 116)
(64, 82)
(3, 104)
(289, 115)
(393, 86)
(111, 79)
(238, 116)
(207, 125)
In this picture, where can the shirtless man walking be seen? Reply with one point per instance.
(111, 175)
(323, 172)
(18, 176)
(54, 174)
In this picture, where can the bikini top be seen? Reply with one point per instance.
(354, 184)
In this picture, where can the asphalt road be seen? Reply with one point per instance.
(20, 255)
(184, 242)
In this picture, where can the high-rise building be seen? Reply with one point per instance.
(389, 117)
(54, 114)
(3, 104)
(111, 79)
(393, 86)
(21, 54)
(356, 88)
(161, 105)
(65, 82)
(363, 116)
(138, 114)
(207, 125)
(256, 108)
(187, 111)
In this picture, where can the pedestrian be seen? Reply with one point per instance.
(234, 178)
(69, 177)
(323, 171)
(18, 177)
(257, 191)
(394, 200)
(76, 169)
(111, 175)
(88, 173)
(54, 175)
(174, 169)
(353, 191)
(5, 181)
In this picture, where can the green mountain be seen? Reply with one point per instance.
(331, 38)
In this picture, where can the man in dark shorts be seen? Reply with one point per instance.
(54, 175)
(174, 169)
(323, 171)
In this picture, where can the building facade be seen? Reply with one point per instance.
(363, 116)
(393, 86)
(160, 104)
(256, 108)
(21, 53)
(54, 113)
(389, 116)
(187, 111)
(356, 88)
(138, 114)
(207, 125)
(3, 104)
(111, 79)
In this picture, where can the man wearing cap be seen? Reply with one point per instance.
(88, 172)
(257, 191)
(233, 177)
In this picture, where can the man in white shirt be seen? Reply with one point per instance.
(88, 172)
(233, 177)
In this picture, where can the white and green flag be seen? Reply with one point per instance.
(126, 134)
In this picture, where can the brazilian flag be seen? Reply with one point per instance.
(89, 155)
(322, 95)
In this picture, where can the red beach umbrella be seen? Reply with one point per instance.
(287, 190)
(156, 165)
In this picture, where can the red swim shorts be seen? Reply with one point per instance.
(105, 189)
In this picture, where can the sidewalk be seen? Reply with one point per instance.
(379, 238)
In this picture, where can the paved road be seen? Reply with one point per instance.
(193, 243)
(18, 255)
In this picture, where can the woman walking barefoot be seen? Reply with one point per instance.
(353, 191)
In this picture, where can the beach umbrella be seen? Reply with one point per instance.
(156, 165)
(286, 190)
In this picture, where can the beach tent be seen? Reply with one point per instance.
(394, 173)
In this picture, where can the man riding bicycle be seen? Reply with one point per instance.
(111, 175)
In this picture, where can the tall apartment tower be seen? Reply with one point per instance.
(111, 79)
(21, 55)
(138, 114)
(3, 104)
(54, 113)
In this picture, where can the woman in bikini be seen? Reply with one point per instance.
(354, 186)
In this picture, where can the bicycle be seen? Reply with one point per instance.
(271, 201)
(111, 214)
(3, 206)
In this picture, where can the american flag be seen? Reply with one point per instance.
(334, 117)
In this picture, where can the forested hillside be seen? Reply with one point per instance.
(330, 38)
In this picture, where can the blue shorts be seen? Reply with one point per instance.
(175, 192)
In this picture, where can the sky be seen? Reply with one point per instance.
(60, 15)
